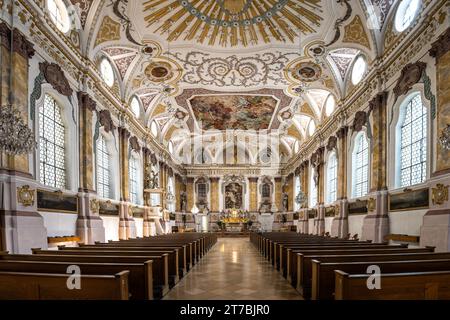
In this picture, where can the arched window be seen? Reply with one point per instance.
(297, 188)
(103, 178)
(52, 157)
(135, 107)
(360, 166)
(107, 72)
(331, 177)
(313, 191)
(359, 70)
(170, 147)
(311, 128)
(412, 149)
(134, 180)
(406, 13)
(330, 105)
(154, 129)
(59, 15)
(265, 190)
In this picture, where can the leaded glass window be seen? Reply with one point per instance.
(133, 172)
(103, 177)
(52, 155)
(332, 178)
(361, 166)
(413, 154)
(313, 188)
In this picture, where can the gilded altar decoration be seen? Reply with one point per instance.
(25, 196)
(439, 194)
(444, 139)
(371, 204)
(94, 205)
(234, 216)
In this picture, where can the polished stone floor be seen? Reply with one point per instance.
(233, 270)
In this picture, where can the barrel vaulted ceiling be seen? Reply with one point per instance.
(234, 64)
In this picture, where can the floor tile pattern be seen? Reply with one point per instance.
(233, 270)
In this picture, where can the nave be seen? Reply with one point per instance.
(233, 270)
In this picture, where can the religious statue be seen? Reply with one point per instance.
(152, 180)
(285, 201)
(183, 201)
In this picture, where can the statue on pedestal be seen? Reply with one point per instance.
(285, 201)
(183, 201)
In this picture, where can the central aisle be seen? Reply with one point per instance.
(233, 270)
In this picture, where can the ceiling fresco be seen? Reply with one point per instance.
(238, 112)
(232, 22)
(234, 64)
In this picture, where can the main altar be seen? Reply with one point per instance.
(234, 220)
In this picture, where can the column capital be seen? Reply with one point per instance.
(379, 101)
(342, 132)
(85, 101)
(441, 46)
(20, 44)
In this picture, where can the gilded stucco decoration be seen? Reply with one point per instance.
(258, 69)
(439, 194)
(233, 23)
(25, 196)
(109, 31)
(355, 33)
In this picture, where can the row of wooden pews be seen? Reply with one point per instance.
(137, 269)
(322, 268)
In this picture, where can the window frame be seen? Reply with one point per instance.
(313, 192)
(134, 185)
(63, 25)
(354, 168)
(397, 148)
(105, 153)
(335, 179)
(41, 131)
(102, 74)
(352, 73)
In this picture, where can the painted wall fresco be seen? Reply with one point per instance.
(244, 112)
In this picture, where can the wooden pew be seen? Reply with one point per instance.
(48, 286)
(173, 261)
(140, 279)
(323, 276)
(304, 266)
(394, 286)
(159, 266)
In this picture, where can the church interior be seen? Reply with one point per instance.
(224, 149)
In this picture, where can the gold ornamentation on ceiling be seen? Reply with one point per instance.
(109, 31)
(233, 22)
(307, 71)
(293, 131)
(355, 33)
(159, 71)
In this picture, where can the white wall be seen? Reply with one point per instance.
(310, 226)
(355, 223)
(406, 222)
(139, 227)
(111, 225)
(328, 222)
(60, 224)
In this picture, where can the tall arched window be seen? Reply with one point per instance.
(134, 180)
(412, 151)
(331, 177)
(103, 178)
(297, 188)
(313, 191)
(360, 165)
(52, 167)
